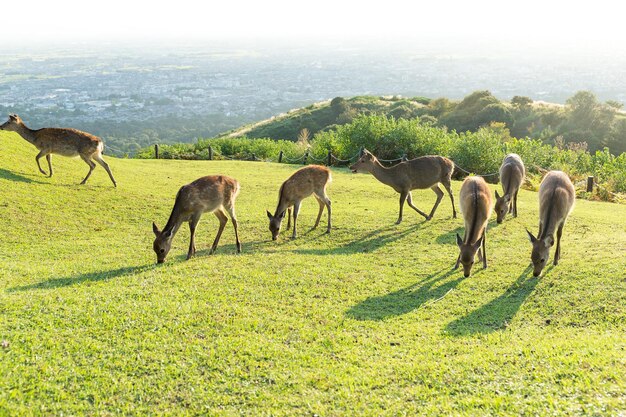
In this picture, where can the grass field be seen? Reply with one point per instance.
(369, 320)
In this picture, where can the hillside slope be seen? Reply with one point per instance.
(369, 320)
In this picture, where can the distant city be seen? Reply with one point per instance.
(136, 95)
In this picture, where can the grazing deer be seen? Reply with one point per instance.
(419, 173)
(213, 193)
(66, 142)
(309, 180)
(512, 172)
(476, 205)
(556, 201)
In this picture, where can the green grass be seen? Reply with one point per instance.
(369, 320)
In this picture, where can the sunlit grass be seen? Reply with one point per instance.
(369, 320)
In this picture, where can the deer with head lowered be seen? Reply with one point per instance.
(556, 201)
(214, 194)
(476, 204)
(309, 180)
(512, 172)
(419, 173)
(61, 141)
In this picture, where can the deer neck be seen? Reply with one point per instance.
(385, 175)
(26, 133)
(282, 202)
(175, 220)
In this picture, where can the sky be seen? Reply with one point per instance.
(551, 21)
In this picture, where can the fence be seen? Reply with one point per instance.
(333, 160)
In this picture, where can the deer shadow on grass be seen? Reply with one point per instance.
(497, 313)
(407, 299)
(80, 278)
(368, 242)
(17, 177)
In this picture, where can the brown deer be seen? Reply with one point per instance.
(556, 201)
(419, 173)
(512, 173)
(309, 180)
(213, 193)
(61, 141)
(476, 205)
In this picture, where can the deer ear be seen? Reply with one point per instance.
(168, 234)
(155, 229)
(497, 195)
(459, 241)
(531, 237)
(478, 242)
(269, 215)
(282, 215)
(549, 241)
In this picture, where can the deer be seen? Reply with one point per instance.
(512, 173)
(556, 201)
(213, 193)
(311, 179)
(419, 173)
(476, 205)
(61, 141)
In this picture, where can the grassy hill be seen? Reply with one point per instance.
(323, 115)
(369, 320)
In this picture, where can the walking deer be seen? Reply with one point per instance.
(512, 172)
(556, 201)
(419, 173)
(215, 194)
(61, 141)
(476, 205)
(309, 180)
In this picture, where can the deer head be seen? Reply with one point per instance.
(501, 207)
(468, 253)
(365, 162)
(162, 243)
(275, 222)
(12, 124)
(540, 253)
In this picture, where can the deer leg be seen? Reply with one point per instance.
(223, 220)
(328, 209)
(458, 261)
(92, 166)
(233, 218)
(39, 155)
(447, 187)
(557, 253)
(101, 161)
(409, 199)
(49, 164)
(289, 218)
(484, 249)
(403, 196)
(319, 213)
(439, 193)
(515, 204)
(192, 239)
(296, 209)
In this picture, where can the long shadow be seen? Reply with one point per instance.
(78, 279)
(407, 299)
(12, 176)
(496, 314)
(366, 243)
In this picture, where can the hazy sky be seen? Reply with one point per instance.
(78, 20)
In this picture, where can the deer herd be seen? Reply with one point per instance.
(217, 194)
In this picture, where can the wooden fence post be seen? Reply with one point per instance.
(280, 157)
(330, 158)
(156, 151)
(306, 156)
(361, 152)
(253, 157)
(210, 153)
(404, 158)
(590, 184)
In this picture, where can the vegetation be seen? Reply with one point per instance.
(369, 320)
(389, 138)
